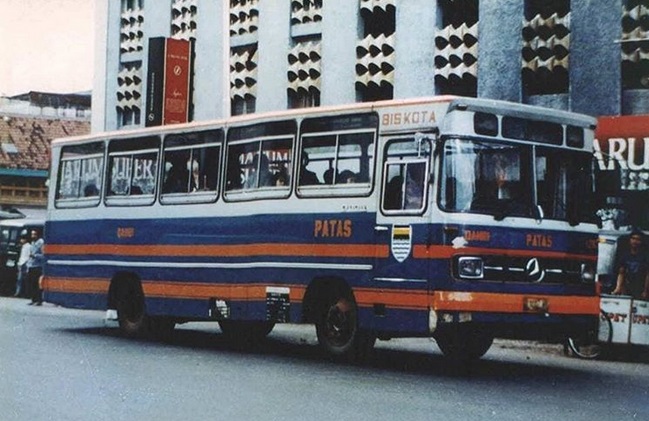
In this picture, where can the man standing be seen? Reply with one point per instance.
(35, 267)
(633, 269)
(21, 275)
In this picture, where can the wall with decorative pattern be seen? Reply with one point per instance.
(263, 55)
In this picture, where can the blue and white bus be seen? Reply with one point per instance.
(461, 219)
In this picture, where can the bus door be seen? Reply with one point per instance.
(402, 220)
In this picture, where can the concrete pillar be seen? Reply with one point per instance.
(415, 49)
(595, 71)
(274, 42)
(211, 65)
(340, 28)
(106, 62)
(499, 49)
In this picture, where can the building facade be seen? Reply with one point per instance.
(28, 123)
(589, 56)
(262, 55)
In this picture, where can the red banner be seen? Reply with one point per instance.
(176, 81)
(622, 142)
(622, 126)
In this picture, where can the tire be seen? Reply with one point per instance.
(131, 310)
(337, 329)
(464, 343)
(592, 344)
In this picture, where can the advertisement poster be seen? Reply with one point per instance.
(168, 94)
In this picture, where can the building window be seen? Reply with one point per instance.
(456, 52)
(635, 45)
(183, 19)
(129, 94)
(244, 21)
(243, 79)
(306, 11)
(131, 26)
(304, 71)
(546, 47)
(244, 17)
(375, 52)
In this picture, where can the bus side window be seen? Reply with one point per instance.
(259, 161)
(132, 171)
(406, 176)
(342, 160)
(80, 175)
(191, 167)
(405, 192)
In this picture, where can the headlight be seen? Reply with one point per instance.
(470, 267)
(587, 273)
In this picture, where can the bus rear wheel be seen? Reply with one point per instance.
(465, 343)
(131, 315)
(337, 329)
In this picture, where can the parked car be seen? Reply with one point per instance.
(10, 231)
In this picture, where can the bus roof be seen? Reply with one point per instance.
(450, 102)
(516, 109)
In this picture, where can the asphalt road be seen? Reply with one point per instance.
(62, 364)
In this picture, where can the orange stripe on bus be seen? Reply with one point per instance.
(512, 303)
(171, 289)
(404, 299)
(365, 297)
(421, 251)
(254, 292)
(76, 285)
(239, 250)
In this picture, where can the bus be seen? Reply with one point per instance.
(460, 219)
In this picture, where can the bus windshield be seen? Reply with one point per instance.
(507, 179)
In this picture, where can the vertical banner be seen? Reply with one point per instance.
(155, 82)
(178, 57)
(168, 82)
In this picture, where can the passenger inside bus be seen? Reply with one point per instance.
(280, 179)
(194, 179)
(498, 185)
(177, 177)
(393, 193)
(307, 178)
(346, 177)
(90, 190)
(415, 184)
(259, 174)
(328, 176)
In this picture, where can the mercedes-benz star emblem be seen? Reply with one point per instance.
(534, 271)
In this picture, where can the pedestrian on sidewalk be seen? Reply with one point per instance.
(35, 266)
(21, 274)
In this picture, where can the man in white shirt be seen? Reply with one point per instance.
(25, 248)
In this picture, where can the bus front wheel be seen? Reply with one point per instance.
(337, 329)
(463, 344)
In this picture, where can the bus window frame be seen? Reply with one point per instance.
(198, 196)
(324, 190)
(387, 161)
(258, 193)
(81, 201)
(138, 199)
